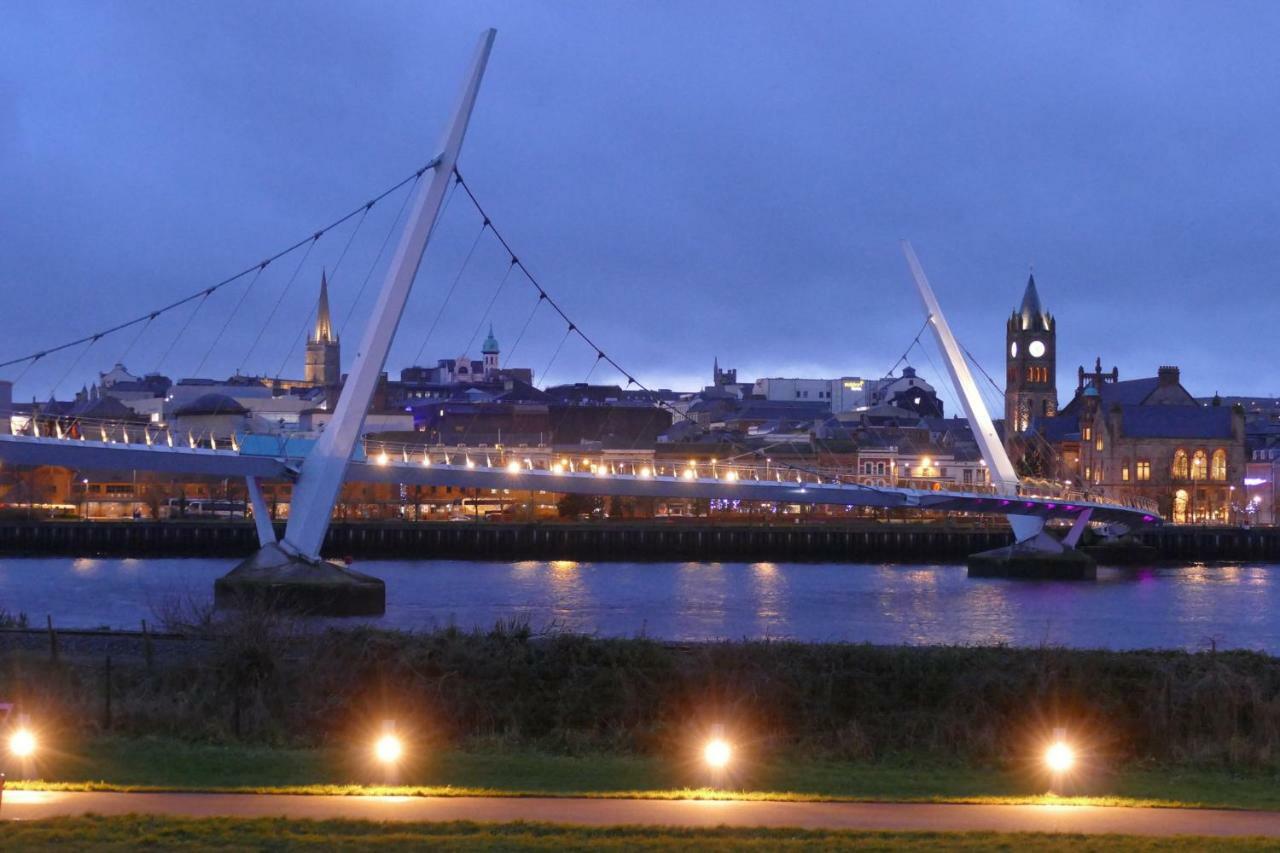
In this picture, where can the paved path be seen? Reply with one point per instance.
(28, 805)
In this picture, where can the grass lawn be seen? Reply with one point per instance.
(152, 763)
(133, 832)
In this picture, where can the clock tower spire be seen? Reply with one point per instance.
(1031, 355)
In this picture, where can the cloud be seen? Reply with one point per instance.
(690, 180)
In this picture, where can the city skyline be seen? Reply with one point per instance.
(218, 175)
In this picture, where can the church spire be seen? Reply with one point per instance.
(324, 326)
(1031, 312)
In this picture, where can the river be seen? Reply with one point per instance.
(1186, 607)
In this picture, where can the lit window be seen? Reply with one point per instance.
(1088, 472)
(1124, 473)
(1219, 470)
(1097, 445)
(1199, 465)
(1181, 468)
(1087, 433)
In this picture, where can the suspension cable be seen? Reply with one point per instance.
(385, 242)
(536, 305)
(276, 307)
(315, 308)
(573, 328)
(226, 323)
(484, 226)
(480, 325)
(183, 330)
(206, 292)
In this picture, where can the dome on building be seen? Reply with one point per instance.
(211, 404)
(490, 343)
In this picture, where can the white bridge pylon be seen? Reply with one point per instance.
(322, 472)
(1003, 475)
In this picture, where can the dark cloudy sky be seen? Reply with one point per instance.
(691, 179)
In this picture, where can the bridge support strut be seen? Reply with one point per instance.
(290, 572)
(1034, 554)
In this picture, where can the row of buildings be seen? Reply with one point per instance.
(1200, 459)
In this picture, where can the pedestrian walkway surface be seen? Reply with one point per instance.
(33, 805)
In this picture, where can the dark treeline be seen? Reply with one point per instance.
(268, 681)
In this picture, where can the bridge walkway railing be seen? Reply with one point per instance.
(634, 463)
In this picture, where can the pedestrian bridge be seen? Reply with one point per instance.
(270, 457)
(318, 468)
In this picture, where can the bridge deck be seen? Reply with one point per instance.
(97, 455)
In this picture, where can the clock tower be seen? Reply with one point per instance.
(1031, 354)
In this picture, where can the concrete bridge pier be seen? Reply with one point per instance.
(274, 579)
(1040, 558)
(277, 578)
(1038, 555)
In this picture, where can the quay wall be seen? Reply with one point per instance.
(503, 541)
(597, 541)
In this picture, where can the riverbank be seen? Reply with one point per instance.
(684, 539)
(247, 679)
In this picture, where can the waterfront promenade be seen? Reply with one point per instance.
(35, 805)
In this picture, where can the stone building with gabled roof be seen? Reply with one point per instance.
(1150, 438)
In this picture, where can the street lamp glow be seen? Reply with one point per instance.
(513, 467)
(388, 749)
(22, 743)
(689, 473)
(645, 472)
(1060, 757)
(382, 458)
(717, 753)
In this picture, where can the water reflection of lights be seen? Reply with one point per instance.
(1196, 573)
(570, 593)
(1168, 607)
(922, 577)
(705, 594)
(769, 589)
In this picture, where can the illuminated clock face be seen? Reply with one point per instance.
(1013, 350)
(1036, 349)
